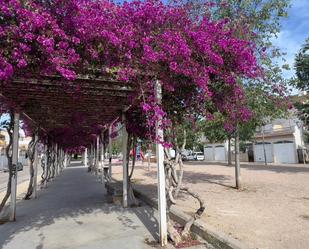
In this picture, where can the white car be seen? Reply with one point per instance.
(199, 156)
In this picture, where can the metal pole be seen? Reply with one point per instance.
(14, 164)
(265, 159)
(36, 162)
(161, 174)
(124, 162)
(110, 151)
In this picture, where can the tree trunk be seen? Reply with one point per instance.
(132, 200)
(237, 162)
(229, 152)
(31, 155)
(174, 175)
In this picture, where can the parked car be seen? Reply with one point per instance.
(199, 156)
(188, 157)
(20, 167)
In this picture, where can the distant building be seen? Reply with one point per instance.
(282, 140)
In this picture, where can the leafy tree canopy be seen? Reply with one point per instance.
(302, 67)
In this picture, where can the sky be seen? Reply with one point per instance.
(294, 31)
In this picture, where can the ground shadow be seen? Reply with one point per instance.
(81, 199)
(199, 177)
(256, 166)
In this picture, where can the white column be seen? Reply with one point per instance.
(36, 162)
(124, 162)
(14, 162)
(86, 157)
(110, 151)
(161, 174)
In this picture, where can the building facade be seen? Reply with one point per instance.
(279, 142)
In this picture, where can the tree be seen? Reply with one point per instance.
(265, 97)
(302, 67)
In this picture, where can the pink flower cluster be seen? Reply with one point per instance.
(196, 61)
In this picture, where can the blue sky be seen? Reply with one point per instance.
(294, 31)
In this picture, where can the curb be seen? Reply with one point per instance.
(216, 238)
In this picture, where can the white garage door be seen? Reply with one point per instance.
(219, 153)
(259, 152)
(209, 153)
(284, 152)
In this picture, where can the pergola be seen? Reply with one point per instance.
(52, 103)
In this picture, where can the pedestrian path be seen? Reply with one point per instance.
(73, 212)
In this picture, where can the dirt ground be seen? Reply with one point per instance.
(271, 211)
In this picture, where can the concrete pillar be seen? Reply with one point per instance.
(14, 162)
(161, 174)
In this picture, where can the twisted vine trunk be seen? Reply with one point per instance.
(8, 152)
(31, 155)
(47, 161)
(131, 197)
(53, 159)
(44, 166)
(174, 180)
